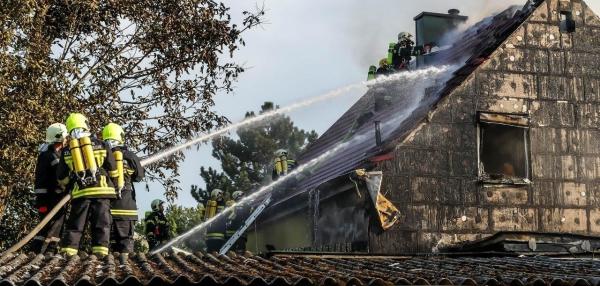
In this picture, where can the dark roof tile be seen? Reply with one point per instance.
(297, 269)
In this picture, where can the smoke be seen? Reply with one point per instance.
(369, 26)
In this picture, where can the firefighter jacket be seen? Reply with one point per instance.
(48, 191)
(216, 229)
(107, 170)
(157, 227)
(237, 218)
(125, 208)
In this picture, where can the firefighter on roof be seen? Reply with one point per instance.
(123, 209)
(282, 164)
(236, 220)
(215, 232)
(89, 168)
(384, 68)
(403, 51)
(157, 226)
(47, 190)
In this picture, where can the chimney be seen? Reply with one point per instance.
(378, 133)
(431, 27)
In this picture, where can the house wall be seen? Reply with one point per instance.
(556, 79)
(290, 232)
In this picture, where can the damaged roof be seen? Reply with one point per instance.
(295, 269)
(472, 48)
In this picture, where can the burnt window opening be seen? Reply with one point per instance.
(503, 149)
(567, 24)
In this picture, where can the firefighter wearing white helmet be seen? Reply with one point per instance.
(241, 211)
(47, 190)
(157, 225)
(403, 51)
(215, 232)
(282, 164)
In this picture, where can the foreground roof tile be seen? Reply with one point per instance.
(294, 269)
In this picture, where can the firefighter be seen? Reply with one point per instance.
(215, 232)
(384, 68)
(236, 220)
(123, 210)
(157, 227)
(403, 51)
(282, 165)
(89, 168)
(47, 190)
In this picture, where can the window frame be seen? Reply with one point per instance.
(517, 120)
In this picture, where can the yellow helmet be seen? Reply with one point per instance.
(383, 62)
(113, 131)
(77, 120)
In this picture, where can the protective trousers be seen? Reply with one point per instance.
(214, 244)
(98, 211)
(122, 235)
(48, 238)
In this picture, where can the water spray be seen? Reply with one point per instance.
(365, 135)
(407, 75)
(308, 102)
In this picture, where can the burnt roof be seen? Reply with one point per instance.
(295, 269)
(472, 48)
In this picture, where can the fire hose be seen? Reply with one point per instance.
(40, 226)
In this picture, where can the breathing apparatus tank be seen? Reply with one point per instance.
(120, 170)
(281, 166)
(78, 165)
(391, 51)
(372, 71)
(82, 151)
(211, 209)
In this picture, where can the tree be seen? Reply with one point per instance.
(153, 66)
(248, 159)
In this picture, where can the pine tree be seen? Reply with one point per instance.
(247, 159)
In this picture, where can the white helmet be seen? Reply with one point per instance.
(216, 192)
(281, 152)
(404, 35)
(56, 132)
(237, 195)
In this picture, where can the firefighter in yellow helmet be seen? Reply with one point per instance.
(87, 167)
(384, 68)
(282, 164)
(47, 190)
(124, 209)
(215, 232)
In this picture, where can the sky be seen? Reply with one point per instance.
(307, 48)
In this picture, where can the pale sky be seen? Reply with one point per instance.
(307, 48)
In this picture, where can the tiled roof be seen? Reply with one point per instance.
(474, 46)
(295, 269)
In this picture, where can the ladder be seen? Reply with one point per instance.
(263, 205)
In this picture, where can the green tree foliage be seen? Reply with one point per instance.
(183, 219)
(153, 66)
(247, 159)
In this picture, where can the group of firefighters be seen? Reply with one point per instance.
(399, 56)
(99, 175)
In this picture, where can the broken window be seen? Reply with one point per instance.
(567, 24)
(503, 148)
